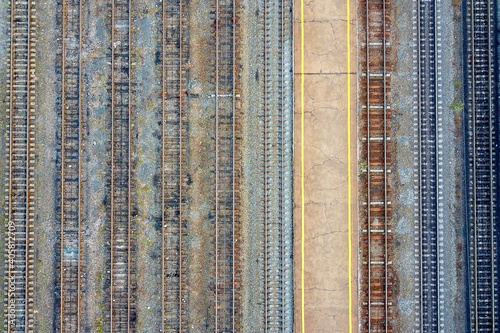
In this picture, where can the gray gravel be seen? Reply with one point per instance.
(47, 126)
(147, 161)
(251, 192)
(403, 77)
(96, 160)
(454, 318)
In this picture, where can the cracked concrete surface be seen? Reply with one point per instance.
(326, 166)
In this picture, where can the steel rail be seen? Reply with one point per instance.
(216, 163)
(473, 101)
(266, 173)
(234, 168)
(492, 184)
(63, 159)
(80, 120)
(368, 177)
(129, 162)
(420, 199)
(287, 275)
(11, 130)
(163, 96)
(180, 166)
(386, 221)
(129, 137)
(112, 156)
(282, 148)
(437, 167)
(28, 125)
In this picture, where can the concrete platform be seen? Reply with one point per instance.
(326, 235)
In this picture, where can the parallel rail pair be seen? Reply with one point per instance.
(377, 280)
(122, 258)
(428, 167)
(174, 228)
(226, 228)
(20, 198)
(226, 166)
(278, 266)
(482, 126)
(71, 114)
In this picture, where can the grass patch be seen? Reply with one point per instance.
(100, 324)
(457, 106)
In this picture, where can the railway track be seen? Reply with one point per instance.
(482, 129)
(122, 274)
(226, 166)
(376, 237)
(429, 160)
(21, 113)
(277, 167)
(71, 267)
(278, 68)
(174, 231)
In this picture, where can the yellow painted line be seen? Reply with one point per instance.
(349, 219)
(302, 186)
